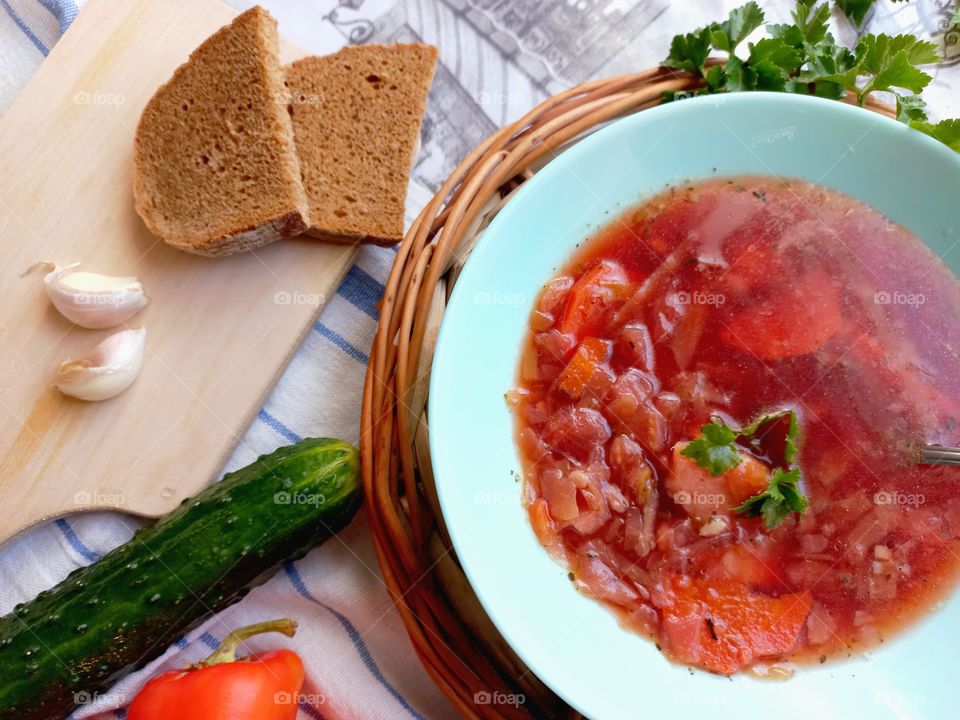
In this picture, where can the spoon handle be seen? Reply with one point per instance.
(939, 455)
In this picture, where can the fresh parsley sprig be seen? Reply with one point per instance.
(754, 437)
(717, 451)
(781, 498)
(803, 57)
(716, 448)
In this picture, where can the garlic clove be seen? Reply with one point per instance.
(107, 370)
(92, 300)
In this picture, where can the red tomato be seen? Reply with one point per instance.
(259, 687)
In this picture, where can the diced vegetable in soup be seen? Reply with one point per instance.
(722, 398)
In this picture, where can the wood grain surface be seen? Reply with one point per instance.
(219, 331)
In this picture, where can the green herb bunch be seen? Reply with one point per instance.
(803, 57)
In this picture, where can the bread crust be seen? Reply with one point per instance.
(189, 206)
(289, 225)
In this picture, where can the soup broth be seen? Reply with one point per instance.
(720, 302)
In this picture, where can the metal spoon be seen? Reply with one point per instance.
(939, 455)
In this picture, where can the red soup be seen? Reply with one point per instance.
(669, 373)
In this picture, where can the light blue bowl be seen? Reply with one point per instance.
(570, 641)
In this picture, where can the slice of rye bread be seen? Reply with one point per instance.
(216, 169)
(356, 117)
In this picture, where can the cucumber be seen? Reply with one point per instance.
(125, 609)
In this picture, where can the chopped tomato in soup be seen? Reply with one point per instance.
(729, 299)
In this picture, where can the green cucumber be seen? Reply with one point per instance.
(126, 608)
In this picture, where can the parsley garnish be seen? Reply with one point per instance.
(751, 433)
(717, 452)
(781, 498)
(735, 29)
(947, 131)
(803, 57)
(888, 63)
(690, 51)
(856, 10)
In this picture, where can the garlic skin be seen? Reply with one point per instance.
(108, 370)
(92, 300)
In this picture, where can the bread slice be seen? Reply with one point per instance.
(356, 118)
(216, 168)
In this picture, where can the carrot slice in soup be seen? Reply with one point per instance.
(751, 477)
(723, 626)
(597, 289)
(582, 366)
(702, 494)
(796, 322)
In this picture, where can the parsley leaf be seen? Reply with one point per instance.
(910, 108)
(781, 498)
(832, 63)
(813, 21)
(773, 61)
(742, 21)
(809, 27)
(715, 77)
(856, 10)
(755, 433)
(690, 51)
(891, 61)
(739, 75)
(777, 52)
(888, 62)
(715, 450)
(946, 131)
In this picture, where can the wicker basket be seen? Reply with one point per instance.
(456, 642)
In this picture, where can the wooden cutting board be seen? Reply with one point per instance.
(219, 331)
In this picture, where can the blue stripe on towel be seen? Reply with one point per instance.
(355, 638)
(63, 10)
(362, 290)
(75, 542)
(339, 341)
(37, 42)
(278, 426)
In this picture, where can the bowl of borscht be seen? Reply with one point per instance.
(676, 409)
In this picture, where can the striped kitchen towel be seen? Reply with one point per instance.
(360, 663)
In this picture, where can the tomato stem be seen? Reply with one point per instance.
(226, 652)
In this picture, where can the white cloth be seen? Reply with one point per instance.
(359, 660)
